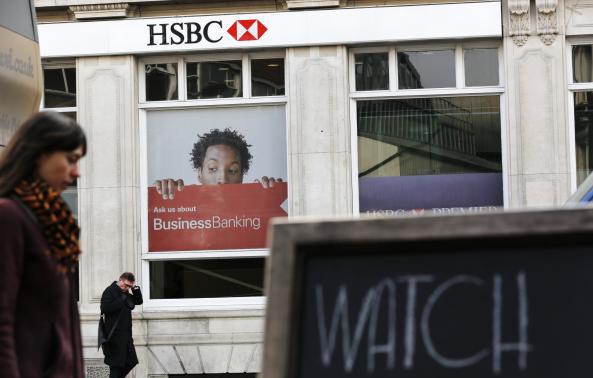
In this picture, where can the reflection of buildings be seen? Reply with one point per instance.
(435, 135)
(214, 80)
(408, 76)
(583, 125)
(431, 135)
(267, 77)
(163, 80)
(60, 87)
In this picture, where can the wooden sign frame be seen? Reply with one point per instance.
(284, 268)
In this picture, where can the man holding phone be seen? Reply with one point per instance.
(117, 302)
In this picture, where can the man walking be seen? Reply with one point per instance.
(117, 302)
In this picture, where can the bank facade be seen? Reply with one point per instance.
(349, 107)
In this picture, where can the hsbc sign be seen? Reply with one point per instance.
(190, 34)
(179, 33)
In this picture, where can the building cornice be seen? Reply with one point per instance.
(93, 11)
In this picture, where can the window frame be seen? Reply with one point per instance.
(53, 64)
(572, 88)
(395, 93)
(221, 303)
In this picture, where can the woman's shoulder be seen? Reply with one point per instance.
(11, 212)
(9, 206)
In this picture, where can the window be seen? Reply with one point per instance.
(481, 66)
(215, 173)
(205, 278)
(582, 97)
(267, 77)
(59, 87)
(439, 150)
(426, 69)
(59, 95)
(582, 63)
(214, 79)
(161, 82)
(372, 71)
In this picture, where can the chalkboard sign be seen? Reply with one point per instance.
(495, 295)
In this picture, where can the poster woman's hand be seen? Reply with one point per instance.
(168, 187)
(268, 182)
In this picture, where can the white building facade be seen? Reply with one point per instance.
(352, 107)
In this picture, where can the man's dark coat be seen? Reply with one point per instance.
(115, 303)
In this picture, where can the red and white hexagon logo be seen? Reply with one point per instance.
(247, 30)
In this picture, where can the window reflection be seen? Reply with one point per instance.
(371, 71)
(429, 136)
(214, 79)
(481, 67)
(429, 153)
(267, 77)
(426, 69)
(583, 120)
(206, 278)
(59, 87)
(161, 82)
(582, 62)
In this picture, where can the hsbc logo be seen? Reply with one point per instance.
(247, 30)
(179, 33)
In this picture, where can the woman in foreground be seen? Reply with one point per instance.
(39, 321)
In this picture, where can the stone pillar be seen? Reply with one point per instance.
(108, 186)
(538, 169)
(318, 131)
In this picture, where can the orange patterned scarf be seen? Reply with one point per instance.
(59, 226)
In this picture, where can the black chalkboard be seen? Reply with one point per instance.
(503, 295)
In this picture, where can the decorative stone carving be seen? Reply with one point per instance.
(547, 20)
(114, 10)
(519, 24)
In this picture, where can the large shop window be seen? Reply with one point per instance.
(431, 140)
(215, 174)
(582, 75)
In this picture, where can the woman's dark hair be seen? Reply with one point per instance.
(227, 137)
(42, 133)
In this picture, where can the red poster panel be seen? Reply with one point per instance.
(213, 217)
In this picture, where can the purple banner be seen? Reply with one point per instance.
(397, 193)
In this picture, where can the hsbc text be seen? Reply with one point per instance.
(184, 32)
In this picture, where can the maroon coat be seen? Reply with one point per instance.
(39, 322)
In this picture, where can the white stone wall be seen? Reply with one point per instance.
(538, 169)
(319, 131)
(108, 186)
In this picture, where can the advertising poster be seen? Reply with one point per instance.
(215, 177)
(438, 194)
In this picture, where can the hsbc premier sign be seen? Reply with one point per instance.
(343, 26)
(178, 33)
